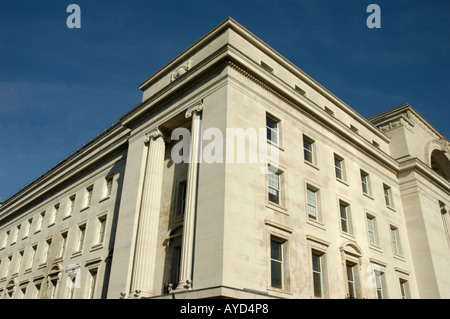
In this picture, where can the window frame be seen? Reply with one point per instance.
(341, 168)
(275, 129)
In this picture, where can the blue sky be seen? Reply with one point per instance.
(59, 87)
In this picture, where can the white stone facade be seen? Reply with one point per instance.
(349, 208)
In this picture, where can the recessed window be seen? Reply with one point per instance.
(395, 240)
(80, 238)
(365, 183)
(266, 67)
(388, 196)
(404, 289)
(277, 260)
(372, 230)
(92, 283)
(346, 218)
(308, 149)
(352, 280)
(380, 281)
(62, 244)
(300, 90)
(71, 205)
(339, 167)
(272, 126)
(88, 196)
(101, 228)
(329, 111)
(312, 197)
(318, 273)
(274, 186)
(108, 186)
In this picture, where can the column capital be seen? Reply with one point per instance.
(197, 107)
(155, 134)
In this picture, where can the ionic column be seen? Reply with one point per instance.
(146, 242)
(187, 247)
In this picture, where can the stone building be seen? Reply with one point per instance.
(237, 176)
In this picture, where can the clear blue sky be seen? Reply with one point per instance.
(59, 86)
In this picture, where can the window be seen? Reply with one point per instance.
(352, 280)
(54, 214)
(71, 205)
(16, 234)
(108, 186)
(395, 240)
(88, 196)
(46, 252)
(62, 244)
(380, 280)
(308, 150)
(5, 239)
(388, 196)
(272, 127)
(345, 214)
(312, 196)
(266, 67)
(80, 239)
(40, 221)
(26, 231)
(318, 273)
(277, 252)
(92, 283)
(101, 227)
(329, 111)
(372, 230)
(404, 289)
(300, 90)
(365, 183)
(339, 167)
(274, 186)
(18, 261)
(181, 198)
(31, 256)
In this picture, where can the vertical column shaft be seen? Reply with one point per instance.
(187, 248)
(146, 242)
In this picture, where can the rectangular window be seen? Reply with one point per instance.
(54, 214)
(365, 183)
(181, 198)
(80, 239)
(19, 261)
(277, 263)
(339, 167)
(372, 229)
(92, 283)
(71, 205)
(404, 289)
(395, 240)
(108, 186)
(272, 127)
(388, 196)
(352, 280)
(380, 280)
(16, 234)
(308, 150)
(4, 239)
(46, 252)
(312, 194)
(88, 196)
(62, 244)
(317, 269)
(101, 227)
(345, 214)
(31, 257)
(274, 190)
(40, 221)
